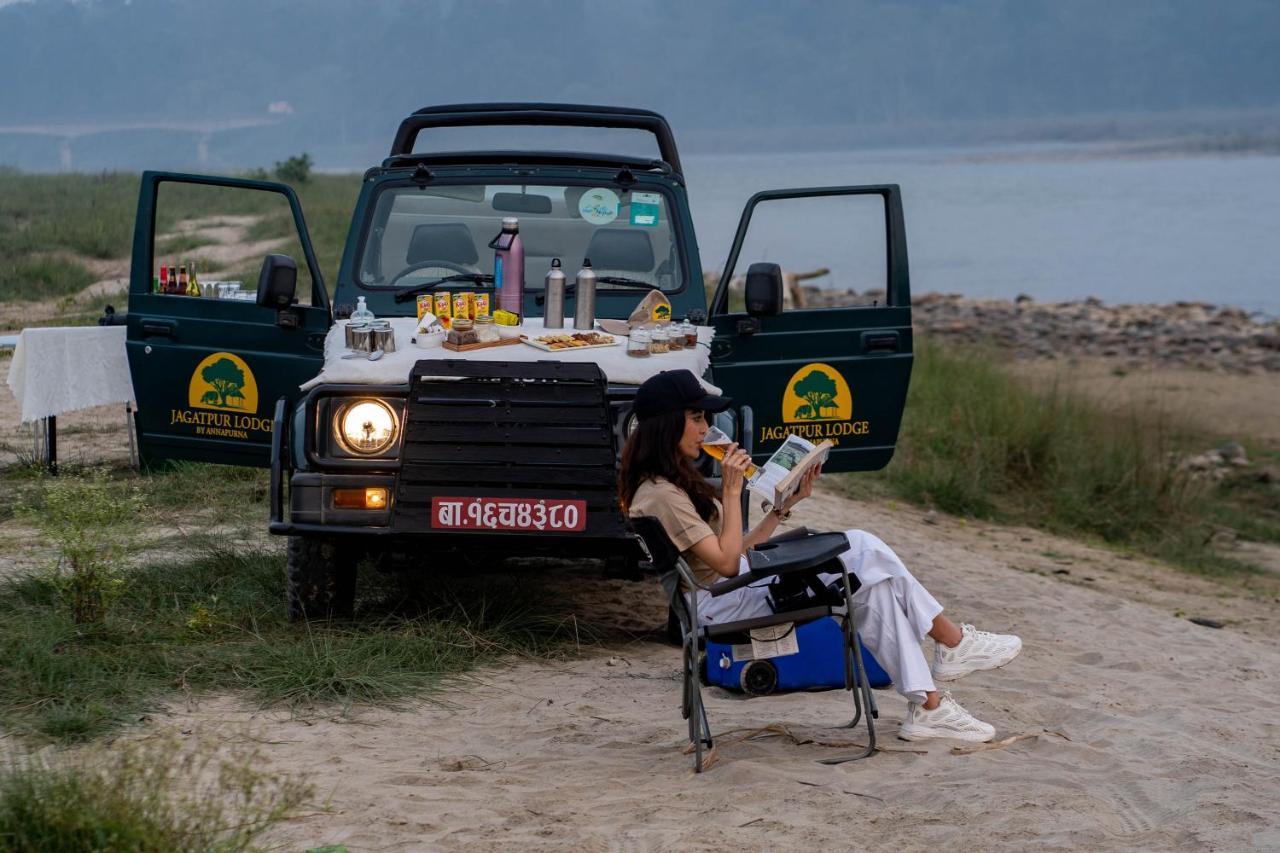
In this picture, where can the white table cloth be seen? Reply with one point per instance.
(393, 368)
(62, 369)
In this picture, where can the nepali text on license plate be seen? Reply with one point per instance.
(508, 514)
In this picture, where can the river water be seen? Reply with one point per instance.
(1049, 223)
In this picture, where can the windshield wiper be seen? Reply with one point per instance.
(623, 281)
(410, 292)
(618, 280)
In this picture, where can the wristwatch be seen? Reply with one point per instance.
(779, 512)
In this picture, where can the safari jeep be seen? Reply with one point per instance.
(487, 459)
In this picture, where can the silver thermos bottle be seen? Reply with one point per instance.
(584, 313)
(553, 316)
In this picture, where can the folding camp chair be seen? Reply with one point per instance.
(799, 555)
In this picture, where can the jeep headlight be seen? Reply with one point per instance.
(366, 426)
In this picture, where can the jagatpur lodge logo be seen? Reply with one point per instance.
(817, 393)
(224, 386)
(223, 382)
(817, 404)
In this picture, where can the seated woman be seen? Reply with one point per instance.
(892, 611)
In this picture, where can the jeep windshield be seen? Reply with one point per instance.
(441, 234)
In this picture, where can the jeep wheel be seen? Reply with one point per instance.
(320, 578)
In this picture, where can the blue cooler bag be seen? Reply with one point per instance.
(819, 664)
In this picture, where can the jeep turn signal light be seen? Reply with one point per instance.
(359, 498)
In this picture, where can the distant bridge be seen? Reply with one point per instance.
(203, 129)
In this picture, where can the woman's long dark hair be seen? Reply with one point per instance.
(653, 450)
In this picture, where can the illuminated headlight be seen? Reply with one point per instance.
(366, 426)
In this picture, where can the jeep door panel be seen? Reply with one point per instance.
(207, 372)
(838, 373)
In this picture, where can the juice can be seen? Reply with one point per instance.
(460, 307)
(424, 304)
(444, 308)
(482, 304)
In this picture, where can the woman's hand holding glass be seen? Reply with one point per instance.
(733, 469)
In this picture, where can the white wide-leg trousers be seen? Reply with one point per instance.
(892, 611)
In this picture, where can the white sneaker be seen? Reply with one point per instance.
(978, 650)
(948, 720)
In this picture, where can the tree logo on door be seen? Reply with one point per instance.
(223, 383)
(817, 392)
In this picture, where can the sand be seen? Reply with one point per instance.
(1166, 733)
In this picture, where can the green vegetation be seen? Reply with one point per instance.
(48, 223)
(296, 169)
(976, 441)
(154, 797)
(198, 615)
(93, 523)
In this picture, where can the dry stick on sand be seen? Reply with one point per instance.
(1003, 742)
(781, 730)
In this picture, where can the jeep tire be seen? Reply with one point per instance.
(320, 578)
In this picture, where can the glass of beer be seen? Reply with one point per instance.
(715, 443)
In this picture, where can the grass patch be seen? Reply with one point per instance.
(30, 276)
(215, 619)
(977, 442)
(145, 798)
(92, 216)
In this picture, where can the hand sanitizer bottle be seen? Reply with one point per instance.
(362, 314)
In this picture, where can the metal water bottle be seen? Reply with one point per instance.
(508, 266)
(584, 313)
(553, 317)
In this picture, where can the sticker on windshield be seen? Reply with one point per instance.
(644, 209)
(599, 206)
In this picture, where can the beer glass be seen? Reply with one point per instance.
(715, 443)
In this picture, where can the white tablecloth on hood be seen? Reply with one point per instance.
(62, 369)
(394, 368)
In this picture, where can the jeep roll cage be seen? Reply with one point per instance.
(535, 115)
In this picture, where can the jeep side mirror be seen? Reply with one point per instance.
(763, 290)
(277, 282)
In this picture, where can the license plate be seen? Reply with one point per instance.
(541, 514)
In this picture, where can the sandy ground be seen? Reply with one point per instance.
(1154, 733)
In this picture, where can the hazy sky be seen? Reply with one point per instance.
(334, 76)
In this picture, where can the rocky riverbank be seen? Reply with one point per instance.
(1181, 334)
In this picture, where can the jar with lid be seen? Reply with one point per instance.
(675, 337)
(485, 329)
(638, 343)
(690, 333)
(659, 341)
(463, 332)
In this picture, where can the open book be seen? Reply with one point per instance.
(778, 478)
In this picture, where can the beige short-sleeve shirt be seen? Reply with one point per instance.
(673, 508)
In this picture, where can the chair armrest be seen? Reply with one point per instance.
(719, 588)
(797, 533)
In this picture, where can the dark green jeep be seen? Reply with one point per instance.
(498, 457)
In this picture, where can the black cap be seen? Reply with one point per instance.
(675, 391)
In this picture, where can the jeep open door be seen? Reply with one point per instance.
(832, 363)
(208, 371)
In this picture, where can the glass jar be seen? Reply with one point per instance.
(690, 333)
(485, 329)
(462, 332)
(638, 343)
(659, 341)
(675, 337)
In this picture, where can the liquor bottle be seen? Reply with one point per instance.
(173, 279)
(164, 279)
(193, 288)
(184, 283)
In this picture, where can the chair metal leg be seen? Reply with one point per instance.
(859, 682)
